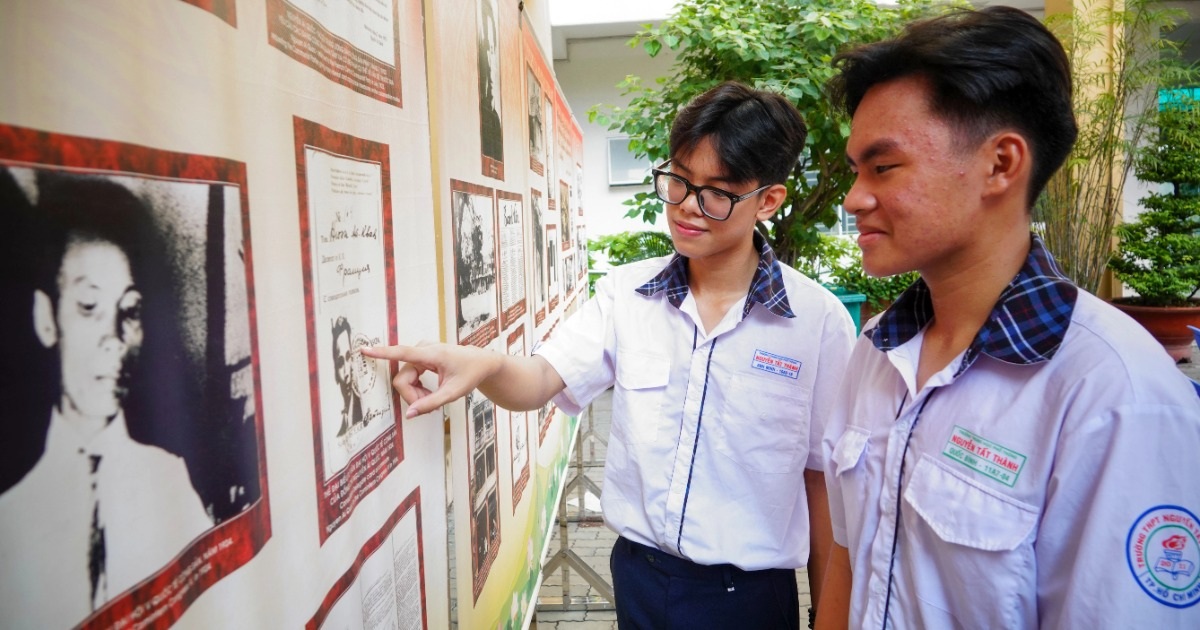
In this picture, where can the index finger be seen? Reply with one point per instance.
(389, 353)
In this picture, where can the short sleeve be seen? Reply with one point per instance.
(581, 350)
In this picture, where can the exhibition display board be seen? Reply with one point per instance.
(507, 186)
(207, 208)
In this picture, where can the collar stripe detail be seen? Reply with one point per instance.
(1026, 326)
(766, 287)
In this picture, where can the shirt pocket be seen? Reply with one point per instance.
(848, 450)
(974, 538)
(641, 386)
(763, 425)
(964, 512)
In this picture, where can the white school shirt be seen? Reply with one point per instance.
(1057, 492)
(149, 511)
(711, 433)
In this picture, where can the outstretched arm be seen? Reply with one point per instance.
(517, 383)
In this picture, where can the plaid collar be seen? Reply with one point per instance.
(766, 288)
(1026, 326)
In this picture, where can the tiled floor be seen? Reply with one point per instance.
(1192, 367)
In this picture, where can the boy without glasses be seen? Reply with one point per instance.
(723, 363)
(1007, 451)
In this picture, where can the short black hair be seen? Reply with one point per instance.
(988, 69)
(82, 208)
(757, 135)
(340, 325)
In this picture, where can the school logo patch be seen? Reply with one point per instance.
(775, 364)
(1163, 550)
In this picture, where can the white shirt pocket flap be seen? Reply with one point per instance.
(643, 371)
(849, 449)
(963, 512)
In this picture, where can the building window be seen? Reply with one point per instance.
(623, 168)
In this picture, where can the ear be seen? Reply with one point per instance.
(1009, 163)
(43, 319)
(770, 201)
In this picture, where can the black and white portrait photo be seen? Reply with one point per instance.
(537, 252)
(568, 274)
(552, 268)
(491, 135)
(564, 214)
(128, 382)
(475, 263)
(485, 486)
(344, 357)
(548, 119)
(537, 129)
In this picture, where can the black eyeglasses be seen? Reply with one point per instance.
(715, 203)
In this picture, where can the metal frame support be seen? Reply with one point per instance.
(566, 559)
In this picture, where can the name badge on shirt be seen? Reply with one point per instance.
(775, 364)
(984, 456)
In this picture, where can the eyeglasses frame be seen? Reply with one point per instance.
(694, 189)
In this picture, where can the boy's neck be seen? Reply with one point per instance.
(964, 296)
(717, 282)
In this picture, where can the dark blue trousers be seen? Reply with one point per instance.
(658, 591)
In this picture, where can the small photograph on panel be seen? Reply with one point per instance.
(581, 251)
(545, 417)
(485, 487)
(548, 120)
(552, 268)
(385, 585)
(577, 190)
(346, 243)
(512, 258)
(568, 273)
(474, 217)
(518, 422)
(537, 252)
(537, 125)
(491, 134)
(565, 218)
(133, 434)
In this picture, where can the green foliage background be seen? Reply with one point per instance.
(785, 46)
(1159, 252)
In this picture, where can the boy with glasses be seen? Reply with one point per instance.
(723, 361)
(1007, 451)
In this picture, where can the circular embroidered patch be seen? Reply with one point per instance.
(1163, 550)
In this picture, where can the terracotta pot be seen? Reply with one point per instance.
(1167, 324)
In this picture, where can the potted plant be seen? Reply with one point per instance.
(1159, 252)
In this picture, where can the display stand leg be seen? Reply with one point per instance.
(566, 559)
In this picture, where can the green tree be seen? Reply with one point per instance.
(785, 46)
(1159, 252)
(1120, 56)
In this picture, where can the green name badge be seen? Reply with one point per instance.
(984, 456)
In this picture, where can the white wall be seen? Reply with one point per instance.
(538, 13)
(564, 12)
